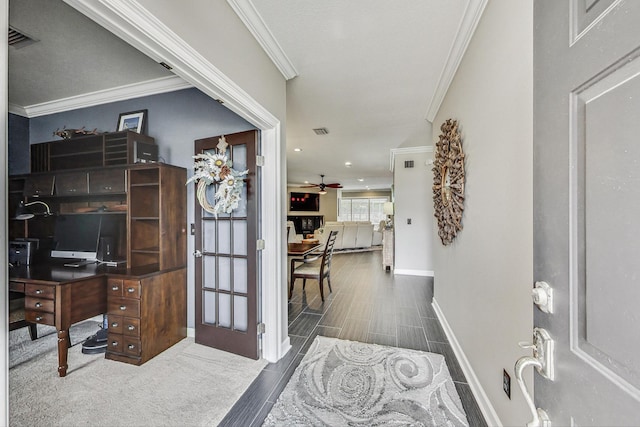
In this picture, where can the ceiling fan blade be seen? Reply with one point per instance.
(334, 185)
(310, 185)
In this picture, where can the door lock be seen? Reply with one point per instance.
(543, 296)
(197, 254)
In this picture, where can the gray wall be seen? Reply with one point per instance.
(18, 148)
(483, 279)
(176, 119)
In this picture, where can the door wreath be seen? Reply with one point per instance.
(216, 169)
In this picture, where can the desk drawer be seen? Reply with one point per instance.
(124, 325)
(124, 307)
(131, 346)
(40, 291)
(39, 304)
(114, 343)
(40, 317)
(126, 288)
(131, 327)
(16, 286)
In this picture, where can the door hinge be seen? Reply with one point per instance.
(260, 244)
(259, 160)
(262, 328)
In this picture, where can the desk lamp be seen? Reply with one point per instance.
(24, 214)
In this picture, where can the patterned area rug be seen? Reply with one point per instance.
(340, 383)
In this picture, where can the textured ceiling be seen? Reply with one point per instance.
(73, 56)
(367, 71)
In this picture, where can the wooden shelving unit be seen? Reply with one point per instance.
(156, 205)
(107, 149)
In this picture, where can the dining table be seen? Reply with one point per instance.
(301, 249)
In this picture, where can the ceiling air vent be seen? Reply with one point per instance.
(18, 39)
(408, 164)
(321, 131)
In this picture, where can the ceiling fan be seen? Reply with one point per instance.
(322, 186)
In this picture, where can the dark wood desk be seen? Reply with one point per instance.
(61, 296)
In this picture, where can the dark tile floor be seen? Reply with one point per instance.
(368, 305)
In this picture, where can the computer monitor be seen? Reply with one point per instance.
(77, 236)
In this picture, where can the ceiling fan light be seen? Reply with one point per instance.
(322, 192)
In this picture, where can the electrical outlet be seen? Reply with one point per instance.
(506, 383)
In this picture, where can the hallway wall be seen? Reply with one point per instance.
(483, 279)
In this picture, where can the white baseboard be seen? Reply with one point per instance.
(191, 332)
(424, 273)
(489, 413)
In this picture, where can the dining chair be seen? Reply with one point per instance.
(314, 267)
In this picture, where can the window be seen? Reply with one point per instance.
(362, 209)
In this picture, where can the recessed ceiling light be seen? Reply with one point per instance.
(348, 164)
(360, 179)
(297, 150)
(306, 182)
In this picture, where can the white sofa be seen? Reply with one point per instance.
(351, 234)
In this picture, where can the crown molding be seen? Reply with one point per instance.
(407, 150)
(137, 26)
(120, 93)
(468, 25)
(248, 14)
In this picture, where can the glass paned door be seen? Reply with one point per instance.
(226, 281)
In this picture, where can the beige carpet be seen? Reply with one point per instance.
(187, 385)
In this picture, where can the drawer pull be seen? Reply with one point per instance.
(131, 327)
(131, 290)
(38, 305)
(38, 318)
(114, 343)
(114, 324)
(115, 288)
(106, 187)
(39, 291)
(131, 346)
(123, 307)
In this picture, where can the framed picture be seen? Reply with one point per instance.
(134, 120)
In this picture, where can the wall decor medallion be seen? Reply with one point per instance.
(216, 169)
(448, 182)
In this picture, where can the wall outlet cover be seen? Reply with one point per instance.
(506, 383)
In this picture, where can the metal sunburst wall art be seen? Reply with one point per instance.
(448, 182)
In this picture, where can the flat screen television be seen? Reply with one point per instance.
(304, 202)
(76, 237)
